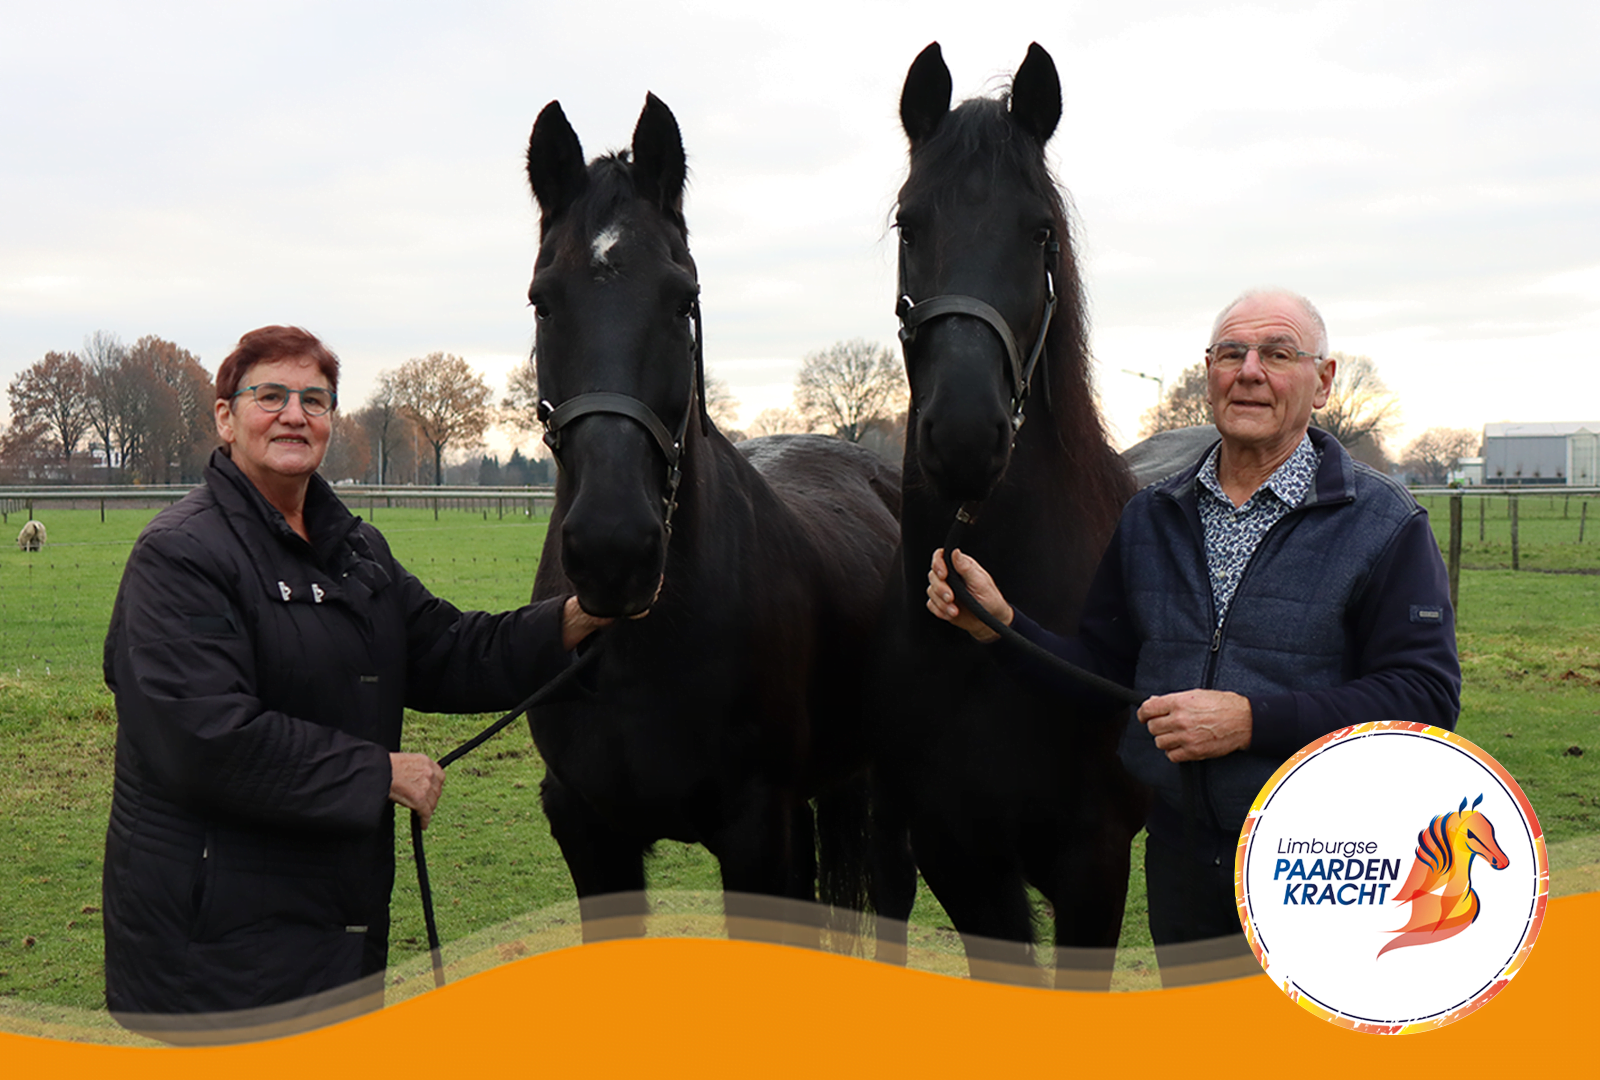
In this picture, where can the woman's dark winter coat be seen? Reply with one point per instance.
(260, 682)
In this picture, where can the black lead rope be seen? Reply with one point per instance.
(1100, 684)
(966, 516)
(423, 886)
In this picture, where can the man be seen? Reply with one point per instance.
(1273, 592)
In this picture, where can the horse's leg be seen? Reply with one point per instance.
(1093, 856)
(758, 847)
(892, 876)
(984, 894)
(1083, 871)
(607, 867)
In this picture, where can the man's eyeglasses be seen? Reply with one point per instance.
(1275, 356)
(273, 397)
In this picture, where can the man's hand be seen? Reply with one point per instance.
(1198, 724)
(942, 599)
(415, 782)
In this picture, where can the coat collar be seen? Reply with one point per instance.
(1335, 481)
(327, 519)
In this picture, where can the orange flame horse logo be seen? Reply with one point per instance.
(1439, 888)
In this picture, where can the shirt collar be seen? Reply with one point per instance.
(1289, 482)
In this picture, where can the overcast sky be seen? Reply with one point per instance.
(1427, 172)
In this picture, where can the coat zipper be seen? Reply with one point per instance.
(1208, 683)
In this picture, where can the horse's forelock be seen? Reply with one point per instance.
(609, 190)
(979, 129)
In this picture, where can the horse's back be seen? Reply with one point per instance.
(829, 483)
(1167, 452)
(843, 527)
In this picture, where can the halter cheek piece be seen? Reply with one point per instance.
(914, 313)
(557, 417)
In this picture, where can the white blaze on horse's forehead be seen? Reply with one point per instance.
(603, 242)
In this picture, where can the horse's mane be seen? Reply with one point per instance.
(981, 130)
(610, 187)
(1433, 844)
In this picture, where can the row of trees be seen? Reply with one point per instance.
(144, 413)
(1361, 412)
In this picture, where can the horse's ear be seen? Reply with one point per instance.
(1478, 800)
(1036, 95)
(659, 169)
(926, 97)
(555, 163)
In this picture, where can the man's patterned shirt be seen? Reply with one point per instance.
(1233, 534)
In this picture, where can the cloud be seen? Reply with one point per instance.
(1423, 170)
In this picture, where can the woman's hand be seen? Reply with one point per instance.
(415, 782)
(942, 599)
(577, 624)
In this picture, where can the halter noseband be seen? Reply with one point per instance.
(557, 417)
(913, 314)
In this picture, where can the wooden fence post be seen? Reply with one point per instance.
(1511, 508)
(1583, 518)
(1483, 501)
(1455, 553)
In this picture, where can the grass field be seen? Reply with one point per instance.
(1555, 532)
(1530, 645)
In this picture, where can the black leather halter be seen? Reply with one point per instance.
(913, 313)
(557, 417)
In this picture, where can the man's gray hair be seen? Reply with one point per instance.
(1321, 328)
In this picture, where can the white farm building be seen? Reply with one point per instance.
(1549, 453)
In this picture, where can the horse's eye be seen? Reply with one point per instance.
(1043, 235)
(685, 308)
(908, 235)
(541, 310)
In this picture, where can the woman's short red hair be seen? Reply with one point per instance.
(271, 343)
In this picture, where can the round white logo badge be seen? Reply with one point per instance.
(1391, 877)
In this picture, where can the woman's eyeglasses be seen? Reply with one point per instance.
(273, 397)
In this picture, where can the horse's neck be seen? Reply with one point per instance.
(1028, 533)
(698, 529)
(1461, 853)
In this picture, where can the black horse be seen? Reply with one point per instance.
(999, 788)
(746, 583)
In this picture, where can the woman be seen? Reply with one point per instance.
(262, 649)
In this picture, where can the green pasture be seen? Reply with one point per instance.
(1555, 532)
(1530, 645)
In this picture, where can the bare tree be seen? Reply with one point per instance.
(1360, 408)
(849, 384)
(103, 356)
(723, 406)
(349, 453)
(520, 406)
(1186, 404)
(777, 422)
(53, 396)
(1432, 454)
(448, 401)
(387, 425)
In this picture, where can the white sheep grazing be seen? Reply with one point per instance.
(32, 537)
